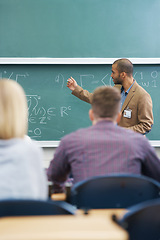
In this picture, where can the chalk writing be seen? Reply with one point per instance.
(151, 83)
(104, 78)
(60, 79)
(52, 110)
(40, 115)
(154, 74)
(86, 77)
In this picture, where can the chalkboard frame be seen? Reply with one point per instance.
(77, 61)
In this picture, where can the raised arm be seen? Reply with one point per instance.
(78, 91)
(71, 83)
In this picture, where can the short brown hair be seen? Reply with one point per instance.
(124, 65)
(106, 102)
(13, 110)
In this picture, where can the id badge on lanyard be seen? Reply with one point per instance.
(127, 113)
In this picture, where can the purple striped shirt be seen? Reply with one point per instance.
(101, 149)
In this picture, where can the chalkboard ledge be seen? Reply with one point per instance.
(155, 143)
(75, 60)
(48, 144)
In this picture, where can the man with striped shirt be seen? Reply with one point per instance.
(103, 148)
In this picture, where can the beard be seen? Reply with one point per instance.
(117, 80)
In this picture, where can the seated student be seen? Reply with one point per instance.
(21, 171)
(103, 148)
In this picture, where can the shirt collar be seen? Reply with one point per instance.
(122, 88)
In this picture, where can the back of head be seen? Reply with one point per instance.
(106, 102)
(124, 65)
(13, 110)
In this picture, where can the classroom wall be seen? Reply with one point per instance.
(49, 152)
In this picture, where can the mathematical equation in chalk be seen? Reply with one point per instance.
(150, 81)
(50, 104)
(41, 116)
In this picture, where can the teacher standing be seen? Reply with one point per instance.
(136, 103)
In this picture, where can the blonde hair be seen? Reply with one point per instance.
(13, 110)
(106, 102)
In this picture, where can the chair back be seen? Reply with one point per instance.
(34, 207)
(143, 221)
(114, 191)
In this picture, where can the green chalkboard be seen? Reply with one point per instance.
(55, 112)
(80, 28)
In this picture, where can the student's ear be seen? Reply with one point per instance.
(119, 117)
(91, 116)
